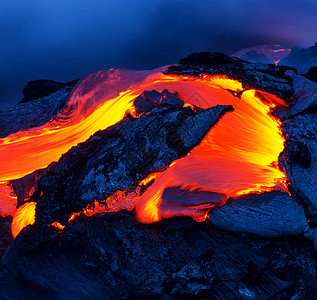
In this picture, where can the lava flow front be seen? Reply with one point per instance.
(237, 156)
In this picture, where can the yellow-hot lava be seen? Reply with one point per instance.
(24, 216)
(237, 156)
(25, 151)
(58, 225)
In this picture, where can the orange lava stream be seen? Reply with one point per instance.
(24, 216)
(237, 156)
(25, 151)
(58, 225)
(8, 200)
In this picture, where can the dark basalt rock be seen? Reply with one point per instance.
(311, 74)
(25, 186)
(266, 77)
(304, 98)
(41, 88)
(268, 214)
(148, 100)
(207, 58)
(117, 158)
(299, 159)
(111, 256)
(5, 233)
(32, 114)
(179, 198)
(297, 153)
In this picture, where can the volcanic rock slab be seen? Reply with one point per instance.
(305, 96)
(299, 158)
(41, 88)
(118, 158)
(270, 214)
(148, 100)
(32, 114)
(311, 74)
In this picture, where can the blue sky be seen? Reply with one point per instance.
(67, 39)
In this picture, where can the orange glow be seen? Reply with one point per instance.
(8, 200)
(26, 151)
(237, 156)
(23, 152)
(73, 217)
(58, 225)
(149, 178)
(91, 209)
(24, 216)
(116, 202)
(30, 150)
(276, 61)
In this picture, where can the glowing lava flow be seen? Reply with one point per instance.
(237, 155)
(23, 217)
(8, 200)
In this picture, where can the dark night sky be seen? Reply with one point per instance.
(67, 39)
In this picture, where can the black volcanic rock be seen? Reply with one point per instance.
(117, 158)
(40, 88)
(311, 74)
(267, 214)
(5, 233)
(297, 153)
(207, 59)
(148, 100)
(299, 156)
(34, 113)
(299, 160)
(304, 98)
(266, 77)
(111, 256)
(25, 186)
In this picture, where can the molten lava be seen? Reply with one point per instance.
(24, 216)
(25, 151)
(58, 225)
(8, 200)
(237, 156)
